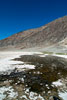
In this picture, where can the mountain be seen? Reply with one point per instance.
(53, 33)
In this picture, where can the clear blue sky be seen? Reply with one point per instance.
(18, 15)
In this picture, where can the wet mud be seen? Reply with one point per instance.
(37, 82)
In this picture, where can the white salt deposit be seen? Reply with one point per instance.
(58, 55)
(43, 55)
(57, 83)
(25, 66)
(63, 56)
(7, 64)
(63, 95)
(4, 90)
(33, 96)
(62, 86)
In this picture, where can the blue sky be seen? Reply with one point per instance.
(19, 15)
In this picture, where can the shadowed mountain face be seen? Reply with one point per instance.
(50, 34)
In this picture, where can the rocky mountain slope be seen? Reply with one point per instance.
(52, 33)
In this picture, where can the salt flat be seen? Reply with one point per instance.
(6, 62)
